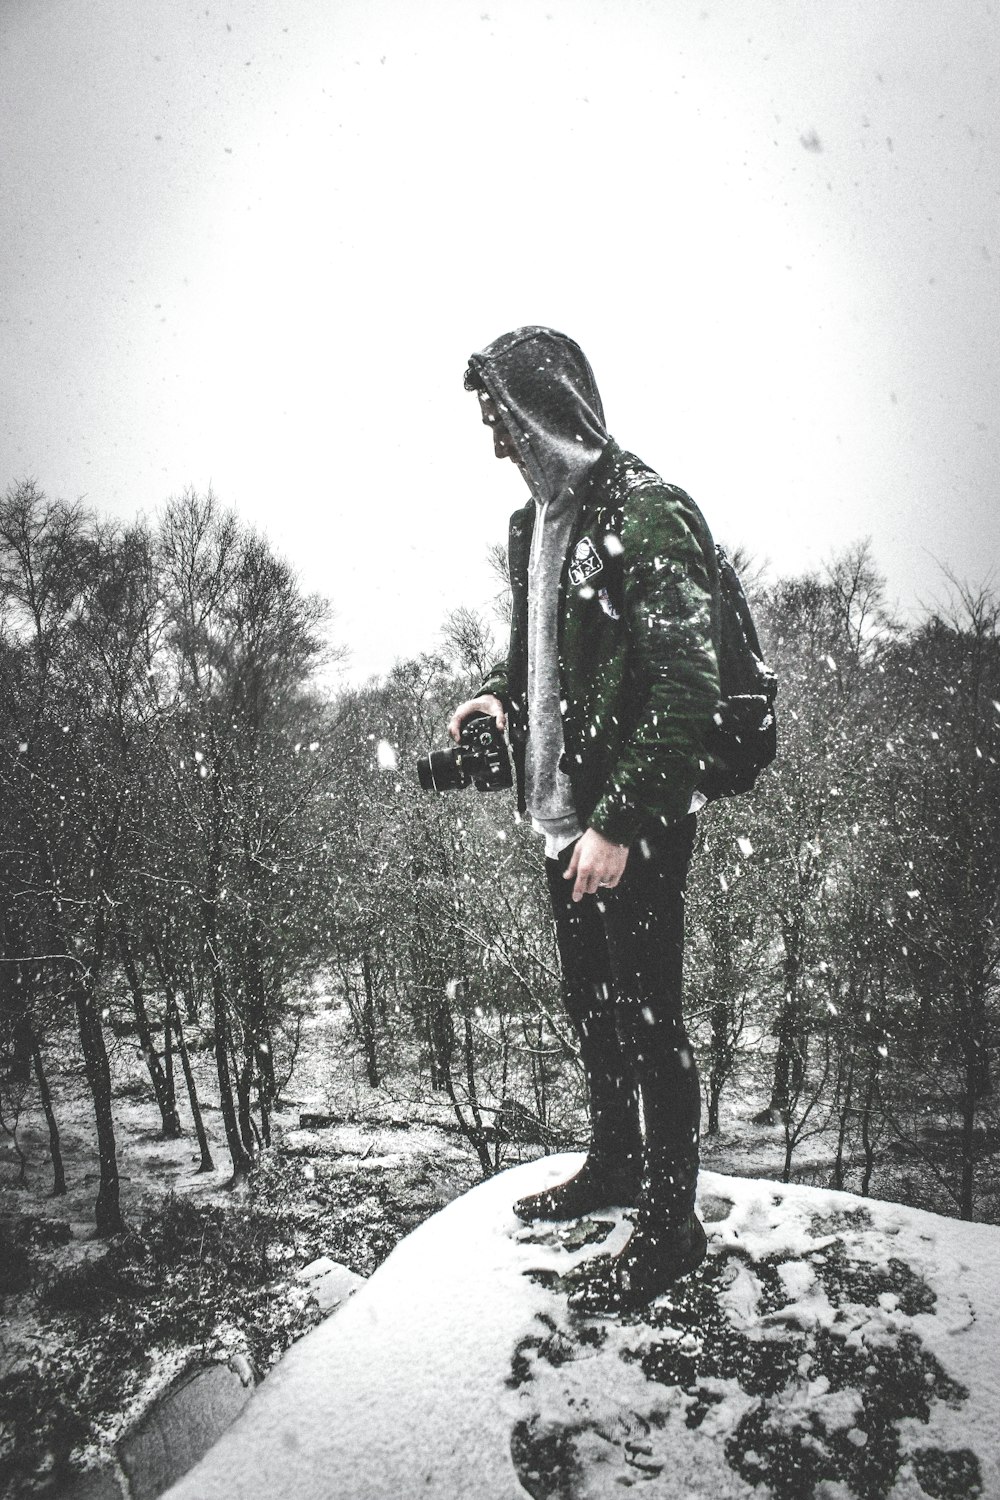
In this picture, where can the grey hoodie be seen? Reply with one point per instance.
(546, 397)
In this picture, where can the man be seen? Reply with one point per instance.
(609, 687)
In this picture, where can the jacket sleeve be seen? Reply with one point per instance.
(496, 683)
(671, 612)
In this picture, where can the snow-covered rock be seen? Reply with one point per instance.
(329, 1282)
(829, 1347)
(183, 1424)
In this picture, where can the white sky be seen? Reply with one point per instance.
(252, 246)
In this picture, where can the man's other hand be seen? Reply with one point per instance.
(487, 704)
(595, 862)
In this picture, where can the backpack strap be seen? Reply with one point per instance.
(739, 599)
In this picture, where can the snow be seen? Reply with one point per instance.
(385, 755)
(329, 1282)
(840, 1331)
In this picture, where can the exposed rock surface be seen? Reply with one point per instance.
(182, 1426)
(187, 1419)
(829, 1348)
(178, 1429)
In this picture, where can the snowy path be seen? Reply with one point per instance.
(830, 1347)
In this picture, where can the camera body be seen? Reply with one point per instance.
(480, 758)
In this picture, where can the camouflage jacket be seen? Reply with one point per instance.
(637, 644)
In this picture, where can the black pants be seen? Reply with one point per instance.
(622, 964)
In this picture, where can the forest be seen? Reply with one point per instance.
(198, 838)
(206, 836)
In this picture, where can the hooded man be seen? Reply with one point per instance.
(609, 688)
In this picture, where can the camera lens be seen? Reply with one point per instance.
(441, 771)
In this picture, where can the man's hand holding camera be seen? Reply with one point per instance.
(596, 863)
(487, 704)
(480, 756)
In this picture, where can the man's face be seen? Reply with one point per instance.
(503, 446)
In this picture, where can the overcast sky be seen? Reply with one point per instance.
(251, 246)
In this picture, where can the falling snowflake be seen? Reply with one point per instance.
(385, 755)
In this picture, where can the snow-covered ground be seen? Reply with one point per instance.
(829, 1347)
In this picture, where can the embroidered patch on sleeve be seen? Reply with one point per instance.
(585, 562)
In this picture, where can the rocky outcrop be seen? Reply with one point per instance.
(178, 1430)
(182, 1426)
(188, 1418)
(828, 1346)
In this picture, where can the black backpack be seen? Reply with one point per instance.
(744, 738)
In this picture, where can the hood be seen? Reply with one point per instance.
(544, 390)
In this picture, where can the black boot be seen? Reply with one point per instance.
(612, 1173)
(656, 1256)
(668, 1242)
(596, 1185)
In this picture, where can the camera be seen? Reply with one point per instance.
(480, 756)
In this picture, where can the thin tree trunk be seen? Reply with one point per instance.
(866, 1136)
(789, 1062)
(479, 1135)
(241, 1155)
(241, 1158)
(95, 1060)
(369, 1024)
(504, 1075)
(720, 1062)
(244, 1081)
(174, 1024)
(258, 1012)
(162, 1086)
(55, 1146)
(533, 1046)
(168, 1056)
(967, 1190)
(845, 1108)
(472, 1130)
(980, 1079)
(265, 1111)
(173, 1015)
(441, 1028)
